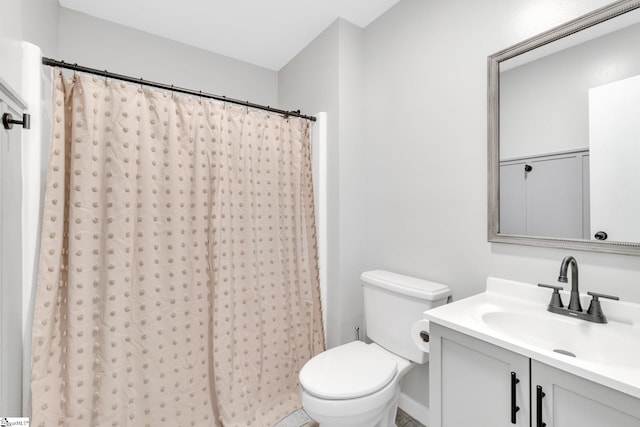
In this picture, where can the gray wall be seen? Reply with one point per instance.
(104, 45)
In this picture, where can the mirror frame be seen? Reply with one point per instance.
(493, 133)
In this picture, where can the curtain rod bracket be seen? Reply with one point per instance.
(8, 121)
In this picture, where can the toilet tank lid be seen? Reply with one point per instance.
(407, 285)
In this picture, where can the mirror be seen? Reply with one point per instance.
(564, 135)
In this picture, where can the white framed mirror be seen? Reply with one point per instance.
(564, 135)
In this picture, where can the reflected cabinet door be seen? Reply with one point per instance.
(513, 198)
(543, 196)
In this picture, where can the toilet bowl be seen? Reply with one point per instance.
(355, 385)
(358, 384)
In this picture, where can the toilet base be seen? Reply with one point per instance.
(383, 418)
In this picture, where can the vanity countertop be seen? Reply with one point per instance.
(513, 315)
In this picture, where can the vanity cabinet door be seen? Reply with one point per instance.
(566, 400)
(471, 382)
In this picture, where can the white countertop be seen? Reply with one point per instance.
(608, 354)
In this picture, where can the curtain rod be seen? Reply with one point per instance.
(107, 74)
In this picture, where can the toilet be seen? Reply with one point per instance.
(358, 384)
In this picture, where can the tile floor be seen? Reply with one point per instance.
(404, 420)
(300, 419)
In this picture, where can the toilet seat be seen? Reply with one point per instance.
(348, 371)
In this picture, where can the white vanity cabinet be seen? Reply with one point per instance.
(471, 382)
(571, 401)
(475, 383)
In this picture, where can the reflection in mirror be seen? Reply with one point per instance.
(563, 168)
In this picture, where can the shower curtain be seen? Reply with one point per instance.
(178, 280)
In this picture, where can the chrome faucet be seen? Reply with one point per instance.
(593, 314)
(574, 302)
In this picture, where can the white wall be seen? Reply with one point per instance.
(78, 38)
(34, 21)
(11, 20)
(352, 161)
(544, 104)
(420, 189)
(101, 44)
(327, 76)
(426, 139)
(426, 192)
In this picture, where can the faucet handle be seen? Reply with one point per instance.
(596, 295)
(554, 287)
(595, 310)
(556, 300)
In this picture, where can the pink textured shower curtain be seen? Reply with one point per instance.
(178, 281)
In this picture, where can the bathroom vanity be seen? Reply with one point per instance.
(501, 359)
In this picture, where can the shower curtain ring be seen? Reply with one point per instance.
(105, 78)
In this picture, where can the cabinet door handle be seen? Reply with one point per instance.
(539, 396)
(514, 407)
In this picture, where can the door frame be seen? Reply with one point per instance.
(10, 100)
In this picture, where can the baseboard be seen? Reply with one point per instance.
(416, 410)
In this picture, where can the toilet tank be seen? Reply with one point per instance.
(392, 302)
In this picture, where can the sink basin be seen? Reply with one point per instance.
(513, 315)
(603, 344)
